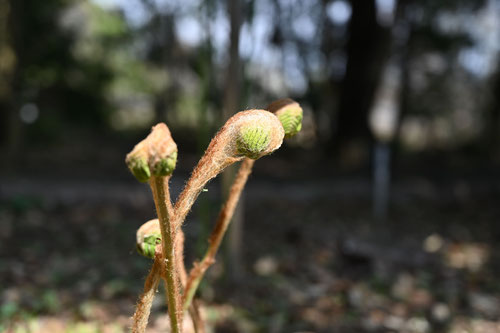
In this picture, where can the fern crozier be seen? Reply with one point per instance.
(139, 167)
(166, 165)
(253, 140)
(148, 237)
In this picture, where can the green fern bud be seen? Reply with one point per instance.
(165, 166)
(148, 247)
(138, 165)
(291, 119)
(155, 155)
(253, 140)
(290, 115)
(148, 237)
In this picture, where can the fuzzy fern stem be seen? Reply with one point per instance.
(159, 186)
(143, 308)
(223, 220)
(250, 141)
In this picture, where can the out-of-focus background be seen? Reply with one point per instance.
(382, 215)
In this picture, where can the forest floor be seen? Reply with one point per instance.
(313, 258)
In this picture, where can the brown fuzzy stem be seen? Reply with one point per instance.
(199, 326)
(143, 308)
(223, 220)
(251, 133)
(208, 167)
(159, 186)
(179, 251)
(181, 267)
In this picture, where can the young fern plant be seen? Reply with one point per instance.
(153, 160)
(247, 136)
(290, 115)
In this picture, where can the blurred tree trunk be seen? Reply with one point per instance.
(10, 57)
(404, 101)
(231, 105)
(7, 66)
(232, 84)
(367, 50)
(492, 131)
(391, 97)
(406, 48)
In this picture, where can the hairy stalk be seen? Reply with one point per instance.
(251, 133)
(289, 113)
(179, 246)
(143, 308)
(203, 173)
(223, 220)
(159, 186)
(198, 325)
(181, 267)
(153, 160)
(148, 238)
